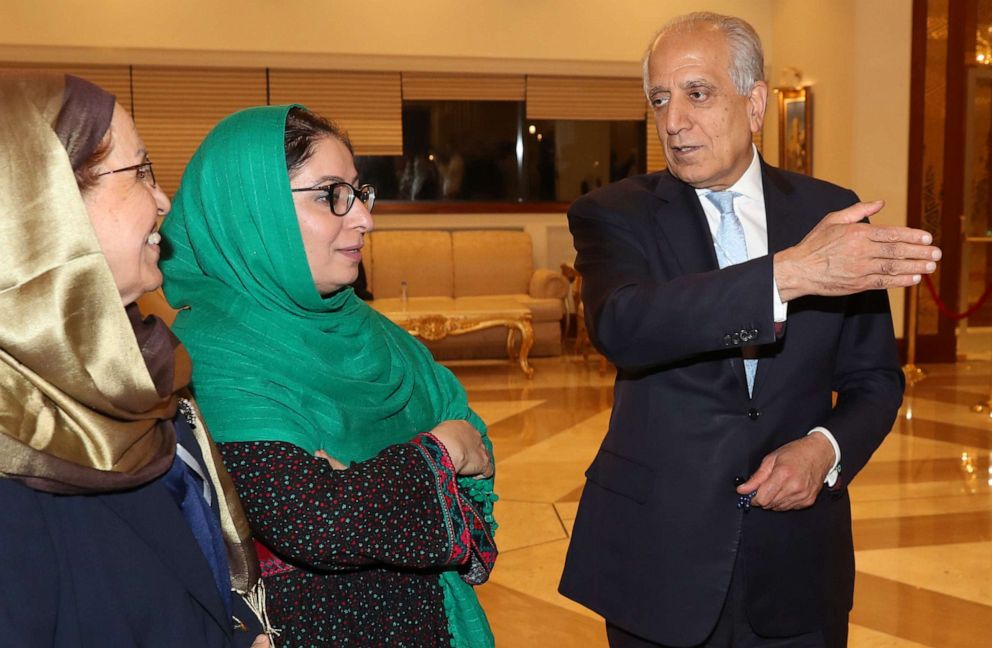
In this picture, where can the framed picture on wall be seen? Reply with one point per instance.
(795, 129)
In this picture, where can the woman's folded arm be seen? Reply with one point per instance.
(399, 508)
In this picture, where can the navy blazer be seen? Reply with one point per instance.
(658, 528)
(118, 569)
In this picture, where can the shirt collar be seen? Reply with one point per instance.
(749, 184)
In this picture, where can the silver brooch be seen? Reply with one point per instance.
(186, 409)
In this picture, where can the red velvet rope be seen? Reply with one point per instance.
(945, 311)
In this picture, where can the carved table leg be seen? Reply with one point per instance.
(511, 349)
(526, 342)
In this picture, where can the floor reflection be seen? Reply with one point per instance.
(922, 507)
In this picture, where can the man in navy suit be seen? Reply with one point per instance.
(736, 300)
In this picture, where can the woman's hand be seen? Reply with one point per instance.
(464, 445)
(261, 641)
(335, 464)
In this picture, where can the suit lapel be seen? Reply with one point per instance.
(681, 225)
(158, 521)
(779, 204)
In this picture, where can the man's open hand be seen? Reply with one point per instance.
(843, 256)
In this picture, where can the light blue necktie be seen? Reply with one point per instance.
(731, 249)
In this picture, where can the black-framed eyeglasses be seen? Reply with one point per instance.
(341, 196)
(142, 171)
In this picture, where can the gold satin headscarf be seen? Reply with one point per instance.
(79, 411)
(79, 408)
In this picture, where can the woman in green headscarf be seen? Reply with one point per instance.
(297, 376)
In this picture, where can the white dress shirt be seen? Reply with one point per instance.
(749, 205)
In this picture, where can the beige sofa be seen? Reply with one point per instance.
(470, 268)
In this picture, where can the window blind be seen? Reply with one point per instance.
(463, 87)
(656, 154)
(175, 108)
(368, 105)
(592, 98)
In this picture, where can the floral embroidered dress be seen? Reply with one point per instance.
(384, 552)
(362, 547)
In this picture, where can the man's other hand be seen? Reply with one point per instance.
(791, 477)
(843, 255)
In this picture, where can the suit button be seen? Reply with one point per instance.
(726, 340)
(753, 414)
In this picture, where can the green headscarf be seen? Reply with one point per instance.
(273, 359)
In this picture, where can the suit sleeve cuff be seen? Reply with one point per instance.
(780, 309)
(834, 473)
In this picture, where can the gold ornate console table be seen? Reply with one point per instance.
(435, 318)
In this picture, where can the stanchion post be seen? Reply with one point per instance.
(913, 373)
(984, 406)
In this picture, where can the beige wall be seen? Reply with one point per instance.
(880, 134)
(857, 60)
(855, 53)
(502, 32)
(825, 55)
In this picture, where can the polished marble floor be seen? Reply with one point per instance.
(922, 507)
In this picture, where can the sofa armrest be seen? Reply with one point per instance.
(548, 284)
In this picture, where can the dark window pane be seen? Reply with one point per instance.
(567, 158)
(487, 151)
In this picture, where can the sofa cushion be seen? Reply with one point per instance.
(422, 258)
(548, 284)
(543, 310)
(491, 262)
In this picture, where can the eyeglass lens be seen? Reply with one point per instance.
(343, 197)
(146, 174)
(142, 172)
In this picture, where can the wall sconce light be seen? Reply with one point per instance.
(791, 77)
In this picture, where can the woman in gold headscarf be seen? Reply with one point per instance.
(118, 523)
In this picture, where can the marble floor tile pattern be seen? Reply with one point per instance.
(922, 508)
